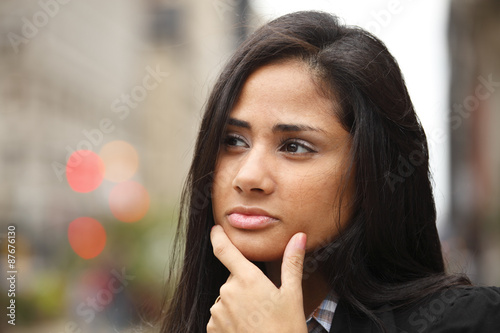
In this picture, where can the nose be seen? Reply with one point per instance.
(254, 174)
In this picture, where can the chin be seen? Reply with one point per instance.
(256, 248)
(261, 257)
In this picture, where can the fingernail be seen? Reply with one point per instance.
(300, 241)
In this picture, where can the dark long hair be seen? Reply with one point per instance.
(390, 251)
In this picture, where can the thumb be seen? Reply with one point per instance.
(293, 262)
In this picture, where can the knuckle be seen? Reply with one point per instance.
(224, 291)
(219, 250)
(251, 278)
(212, 310)
(214, 313)
(295, 264)
(211, 326)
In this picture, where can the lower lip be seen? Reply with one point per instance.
(242, 221)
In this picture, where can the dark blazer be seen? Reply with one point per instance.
(456, 310)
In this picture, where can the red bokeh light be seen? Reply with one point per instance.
(84, 171)
(87, 237)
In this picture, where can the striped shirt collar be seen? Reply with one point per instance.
(320, 321)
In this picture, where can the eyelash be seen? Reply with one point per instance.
(299, 142)
(233, 137)
(282, 143)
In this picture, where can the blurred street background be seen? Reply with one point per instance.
(100, 102)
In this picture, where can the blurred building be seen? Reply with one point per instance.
(62, 64)
(79, 74)
(191, 40)
(474, 119)
(66, 65)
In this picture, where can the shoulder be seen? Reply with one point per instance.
(460, 309)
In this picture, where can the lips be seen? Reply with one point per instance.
(250, 218)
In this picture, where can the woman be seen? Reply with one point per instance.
(313, 167)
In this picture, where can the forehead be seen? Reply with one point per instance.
(284, 91)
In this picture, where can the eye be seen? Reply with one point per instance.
(233, 140)
(296, 146)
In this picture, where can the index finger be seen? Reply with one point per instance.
(228, 254)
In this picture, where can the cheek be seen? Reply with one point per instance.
(220, 189)
(216, 192)
(223, 174)
(321, 225)
(314, 206)
(316, 190)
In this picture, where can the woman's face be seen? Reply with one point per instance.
(280, 169)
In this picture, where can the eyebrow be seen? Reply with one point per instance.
(277, 127)
(238, 123)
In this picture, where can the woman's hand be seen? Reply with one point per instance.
(249, 301)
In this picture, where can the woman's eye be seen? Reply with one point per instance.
(234, 141)
(296, 148)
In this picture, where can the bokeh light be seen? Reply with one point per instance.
(121, 160)
(84, 171)
(87, 237)
(129, 201)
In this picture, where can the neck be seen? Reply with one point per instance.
(314, 286)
